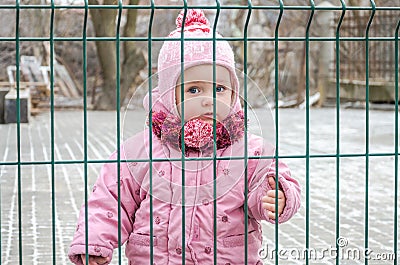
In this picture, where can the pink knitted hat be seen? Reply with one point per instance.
(195, 53)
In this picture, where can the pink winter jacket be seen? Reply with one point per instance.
(167, 205)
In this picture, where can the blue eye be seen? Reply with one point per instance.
(220, 89)
(193, 90)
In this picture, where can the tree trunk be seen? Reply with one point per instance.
(134, 60)
(301, 88)
(38, 28)
(104, 26)
(132, 63)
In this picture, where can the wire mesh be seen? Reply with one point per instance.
(343, 70)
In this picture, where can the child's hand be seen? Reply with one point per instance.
(268, 201)
(94, 260)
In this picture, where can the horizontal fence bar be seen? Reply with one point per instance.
(61, 162)
(308, 153)
(160, 39)
(228, 7)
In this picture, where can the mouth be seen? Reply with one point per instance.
(208, 115)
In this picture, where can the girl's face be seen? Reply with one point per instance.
(198, 93)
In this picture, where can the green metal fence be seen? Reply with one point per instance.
(342, 7)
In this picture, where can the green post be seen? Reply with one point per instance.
(150, 73)
(215, 228)
(245, 108)
(17, 60)
(396, 143)
(308, 130)
(276, 50)
(182, 133)
(85, 134)
(367, 127)
(118, 110)
(52, 123)
(337, 42)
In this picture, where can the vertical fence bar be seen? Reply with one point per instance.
(218, 6)
(182, 129)
(17, 57)
(246, 211)
(1, 208)
(367, 126)
(307, 101)
(1, 213)
(396, 140)
(52, 123)
(276, 50)
(118, 83)
(183, 159)
(85, 134)
(337, 42)
(149, 49)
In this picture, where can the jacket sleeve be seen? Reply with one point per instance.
(103, 213)
(259, 186)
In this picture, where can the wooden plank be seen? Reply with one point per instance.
(63, 74)
(63, 88)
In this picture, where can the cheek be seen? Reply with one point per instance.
(226, 109)
(178, 101)
(190, 108)
(226, 102)
(223, 109)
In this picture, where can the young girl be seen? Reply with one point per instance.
(203, 180)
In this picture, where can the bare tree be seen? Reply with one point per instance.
(104, 21)
(38, 27)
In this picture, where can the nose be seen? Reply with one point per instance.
(207, 101)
